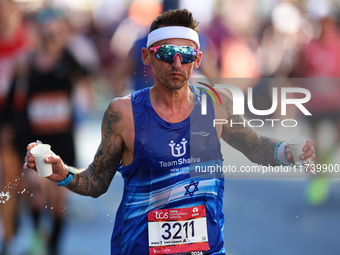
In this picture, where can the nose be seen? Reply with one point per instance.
(177, 60)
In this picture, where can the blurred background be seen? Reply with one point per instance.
(63, 61)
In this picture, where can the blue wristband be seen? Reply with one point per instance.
(68, 179)
(279, 162)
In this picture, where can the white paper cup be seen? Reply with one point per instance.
(40, 152)
(296, 145)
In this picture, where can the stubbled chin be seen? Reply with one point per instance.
(176, 86)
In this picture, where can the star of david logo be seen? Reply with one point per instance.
(191, 191)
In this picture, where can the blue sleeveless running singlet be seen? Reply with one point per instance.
(165, 209)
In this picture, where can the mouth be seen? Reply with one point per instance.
(176, 75)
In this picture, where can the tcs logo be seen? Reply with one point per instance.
(162, 215)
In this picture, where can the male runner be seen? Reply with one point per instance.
(157, 136)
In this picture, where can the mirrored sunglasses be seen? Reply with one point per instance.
(168, 53)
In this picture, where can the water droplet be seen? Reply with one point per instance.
(4, 197)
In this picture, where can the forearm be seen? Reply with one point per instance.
(88, 182)
(95, 180)
(256, 147)
(263, 151)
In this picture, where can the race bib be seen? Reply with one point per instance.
(178, 231)
(50, 112)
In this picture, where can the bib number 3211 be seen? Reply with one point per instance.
(178, 231)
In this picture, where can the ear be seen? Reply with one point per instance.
(146, 56)
(198, 60)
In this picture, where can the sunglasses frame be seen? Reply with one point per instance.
(155, 49)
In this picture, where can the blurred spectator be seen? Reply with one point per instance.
(280, 41)
(130, 73)
(133, 74)
(86, 54)
(279, 45)
(234, 33)
(13, 47)
(42, 104)
(320, 59)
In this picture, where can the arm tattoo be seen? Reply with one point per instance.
(96, 179)
(259, 149)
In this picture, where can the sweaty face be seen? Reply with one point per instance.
(173, 75)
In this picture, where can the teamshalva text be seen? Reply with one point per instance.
(256, 123)
(179, 162)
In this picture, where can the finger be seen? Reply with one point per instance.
(308, 154)
(313, 158)
(309, 144)
(52, 159)
(29, 164)
(31, 145)
(29, 158)
(288, 153)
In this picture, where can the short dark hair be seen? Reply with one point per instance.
(178, 17)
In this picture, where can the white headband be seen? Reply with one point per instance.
(173, 32)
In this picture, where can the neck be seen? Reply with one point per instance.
(162, 96)
(172, 105)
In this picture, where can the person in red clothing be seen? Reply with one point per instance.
(13, 48)
(43, 110)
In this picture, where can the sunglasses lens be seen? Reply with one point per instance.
(167, 53)
(188, 54)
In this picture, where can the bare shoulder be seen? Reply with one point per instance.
(225, 110)
(118, 112)
(230, 125)
(121, 104)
